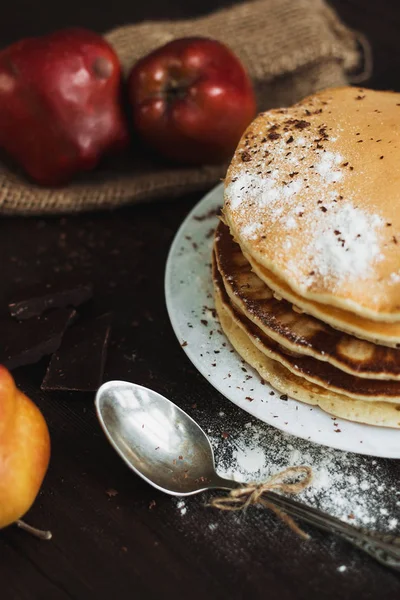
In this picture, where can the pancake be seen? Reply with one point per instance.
(312, 194)
(371, 413)
(298, 333)
(318, 372)
(378, 332)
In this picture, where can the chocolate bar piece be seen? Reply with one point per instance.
(78, 365)
(35, 300)
(26, 342)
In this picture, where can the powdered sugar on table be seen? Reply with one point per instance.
(351, 487)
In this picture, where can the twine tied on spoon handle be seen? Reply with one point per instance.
(285, 482)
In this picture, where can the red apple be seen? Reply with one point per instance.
(60, 104)
(191, 100)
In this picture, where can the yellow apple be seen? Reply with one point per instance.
(24, 450)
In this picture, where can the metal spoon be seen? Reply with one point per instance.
(167, 448)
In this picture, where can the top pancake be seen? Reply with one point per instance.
(313, 195)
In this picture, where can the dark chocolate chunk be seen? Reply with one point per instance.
(25, 343)
(301, 124)
(79, 363)
(33, 301)
(274, 135)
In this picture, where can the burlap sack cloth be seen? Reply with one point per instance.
(290, 48)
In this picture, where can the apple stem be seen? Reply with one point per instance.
(39, 533)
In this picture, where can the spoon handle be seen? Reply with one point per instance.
(220, 483)
(385, 548)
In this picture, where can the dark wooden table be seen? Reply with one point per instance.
(109, 537)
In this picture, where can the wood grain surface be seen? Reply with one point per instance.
(110, 539)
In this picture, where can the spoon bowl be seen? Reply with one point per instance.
(156, 439)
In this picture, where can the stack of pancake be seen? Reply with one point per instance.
(306, 257)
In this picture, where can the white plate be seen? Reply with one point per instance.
(188, 292)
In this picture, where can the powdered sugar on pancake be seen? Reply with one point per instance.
(327, 165)
(341, 240)
(252, 230)
(394, 278)
(266, 194)
(347, 244)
